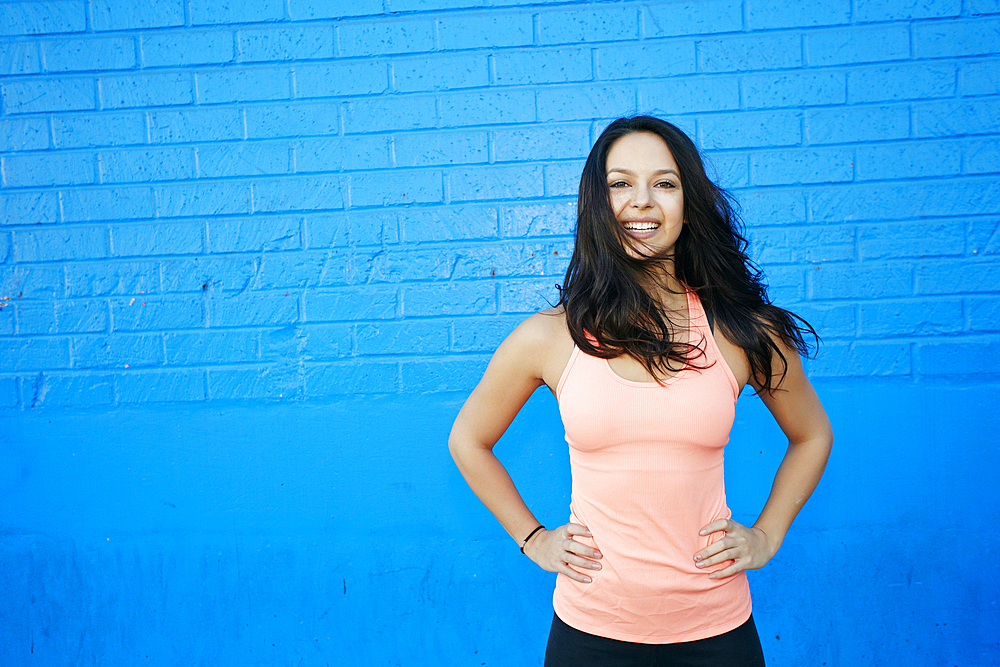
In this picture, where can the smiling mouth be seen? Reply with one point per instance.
(640, 229)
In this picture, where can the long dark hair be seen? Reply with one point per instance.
(605, 295)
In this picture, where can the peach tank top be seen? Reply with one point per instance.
(647, 466)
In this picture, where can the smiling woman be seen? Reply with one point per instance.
(661, 322)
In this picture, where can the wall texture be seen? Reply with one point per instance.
(253, 255)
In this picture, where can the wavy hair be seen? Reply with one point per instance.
(609, 308)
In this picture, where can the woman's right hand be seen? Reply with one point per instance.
(556, 550)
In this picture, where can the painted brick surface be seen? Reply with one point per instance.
(210, 172)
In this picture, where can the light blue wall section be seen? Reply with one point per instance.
(253, 255)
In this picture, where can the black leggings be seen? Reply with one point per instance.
(569, 647)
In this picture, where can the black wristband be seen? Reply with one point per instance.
(525, 543)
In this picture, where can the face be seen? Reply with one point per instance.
(646, 193)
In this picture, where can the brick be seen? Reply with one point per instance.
(404, 187)
(958, 276)
(786, 284)
(142, 165)
(490, 29)
(984, 6)
(7, 327)
(340, 153)
(158, 238)
(958, 357)
(529, 296)
(20, 58)
(603, 24)
(694, 17)
(492, 182)
(980, 79)
(9, 394)
(802, 165)
(28, 208)
(910, 318)
(326, 341)
(923, 238)
(49, 94)
(297, 194)
(82, 316)
(900, 201)
(30, 354)
(146, 90)
(458, 298)
(200, 274)
(551, 142)
(793, 89)
(402, 338)
(183, 126)
(293, 270)
(408, 35)
(34, 317)
(260, 382)
(5, 247)
(253, 308)
(351, 378)
(357, 77)
(865, 280)
(368, 227)
(210, 347)
(728, 170)
(441, 72)
(439, 375)
(85, 279)
(482, 334)
(292, 120)
(526, 220)
(983, 237)
(191, 47)
(206, 12)
(982, 157)
(585, 102)
(65, 390)
(514, 68)
(900, 82)
(956, 118)
(754, 52)
(321, 9)
(81, 55)
(365, 303)
(983, 314)
(254, 234)
(905, 10)
(487, 108)
(861, 359)
(124, 15)
(329, 230)
(160, 387)
(42, 18)
(857, 124)
(798, 245)
(691, 94)
(285, 43)
(48, 168)
(857, 44)
(563, 179)
(751, 129)
(768, 14)
(908, 160)
(254, 158)
(202, 198)
(648, 58)
(118, 351)
(398, 112)
(60, 243)
(241, 84)
(450, 224)
(150, 312)
(91, 130)
(830, 320)
(773, 206)
(109, 203)
(437, 148)
(948, 39)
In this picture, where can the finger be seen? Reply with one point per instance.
(576, 529)
(715, 547)
(715, 526)
(563, 568)
(574, 547)
(579, 561)
(721, 557)
(729, 571)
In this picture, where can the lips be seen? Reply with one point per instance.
(640, 229)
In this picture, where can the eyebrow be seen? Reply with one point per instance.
(622, 170)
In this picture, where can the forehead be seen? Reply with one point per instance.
(640, 150)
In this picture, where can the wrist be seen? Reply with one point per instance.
(531, 535)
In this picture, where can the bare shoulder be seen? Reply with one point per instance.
(544, 338)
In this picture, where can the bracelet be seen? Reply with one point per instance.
(530, 535)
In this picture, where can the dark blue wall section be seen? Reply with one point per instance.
(254, 255)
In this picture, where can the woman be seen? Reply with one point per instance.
(661, 322)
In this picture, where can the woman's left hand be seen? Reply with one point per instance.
(748, 548)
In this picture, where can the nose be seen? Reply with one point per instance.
(640, 196)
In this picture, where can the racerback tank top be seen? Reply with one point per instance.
(647, 467)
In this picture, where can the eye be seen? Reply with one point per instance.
(618, 184)
(665, 184)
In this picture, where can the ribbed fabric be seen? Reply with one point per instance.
(647, 464)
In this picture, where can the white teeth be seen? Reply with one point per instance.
(641, 226)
